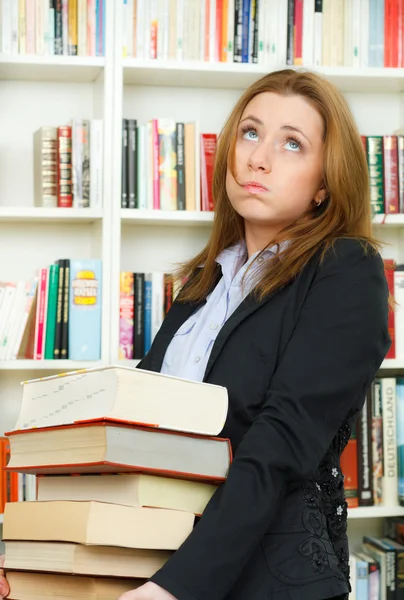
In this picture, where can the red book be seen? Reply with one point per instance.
(219, 30)
(208, 150)
(400, 33)
(388, 31)
(298, 33)
(389, 265)
(390, 160)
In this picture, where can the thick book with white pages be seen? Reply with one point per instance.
(123, 394)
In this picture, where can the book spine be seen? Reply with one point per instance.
(238, 30)
(364, 436)
(180, 166)
(167, 164)
(298, 33)
(64, 353)
(132, 164)
(400, 144)
(390, 480)
(375, 163)
(40, 334)
(147, 312)
(65, 189)
(72, 35)
(59, 311)
(84, 320)
(390, 175)
(156, 166)
(138, 333)
(124, 173)
(318, 33)
(400, 438)
(389, 266)
(290, 32)
(58, 28)
(245, 31)
(126, 314)
(52, 310)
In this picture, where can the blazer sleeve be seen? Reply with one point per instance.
(337, 346)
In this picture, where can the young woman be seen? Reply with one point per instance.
(287, 308)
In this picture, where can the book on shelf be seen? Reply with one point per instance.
(286, 32)
(373, 460)
(46, 30)
(54, 315)
(144, 301)
(166, 165)
(68, 165)
(112, 525)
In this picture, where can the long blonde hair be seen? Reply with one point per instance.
(346, 211)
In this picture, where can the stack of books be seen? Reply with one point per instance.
(125, 460)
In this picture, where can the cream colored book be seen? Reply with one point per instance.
(97, 523)
(123, 394)
(39, 586)
(129, 490)
(77, 559)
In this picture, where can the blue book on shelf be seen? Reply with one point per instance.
(85, 309)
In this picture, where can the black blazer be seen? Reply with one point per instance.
(297, 367)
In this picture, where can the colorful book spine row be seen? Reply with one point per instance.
(357, 33)
(55, 315)
(53, 27)
(166, 165)
(145, 299)
(373, 460)
(68, 165)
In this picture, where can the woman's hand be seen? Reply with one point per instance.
(148, 591)
(4, 587)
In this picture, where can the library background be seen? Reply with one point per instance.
(110, 111)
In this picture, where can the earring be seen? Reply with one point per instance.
(318, 203)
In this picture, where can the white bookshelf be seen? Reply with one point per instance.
(38, 91)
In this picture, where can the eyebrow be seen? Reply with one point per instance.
(284, 127)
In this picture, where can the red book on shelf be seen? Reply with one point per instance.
(389, 266)
(208, 150)
(390, 174)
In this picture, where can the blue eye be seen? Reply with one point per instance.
(294, 145)
(250, 133)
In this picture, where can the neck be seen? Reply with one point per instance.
(257, 237)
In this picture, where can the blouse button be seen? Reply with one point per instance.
(214, 325)
(197, 359)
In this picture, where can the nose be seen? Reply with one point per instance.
(260, 159)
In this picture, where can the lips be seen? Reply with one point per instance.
(254, 188)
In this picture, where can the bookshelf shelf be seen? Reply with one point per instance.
(51, 215)
(48, 365)
(50, 68)
(239, 76)
(393, 364)
(160, 217)
(375, 512)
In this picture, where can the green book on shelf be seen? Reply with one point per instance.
(51, 312)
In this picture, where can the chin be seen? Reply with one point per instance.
(255, 212)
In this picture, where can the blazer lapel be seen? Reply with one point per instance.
(249, 305)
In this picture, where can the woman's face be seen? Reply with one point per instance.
(278, 161)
